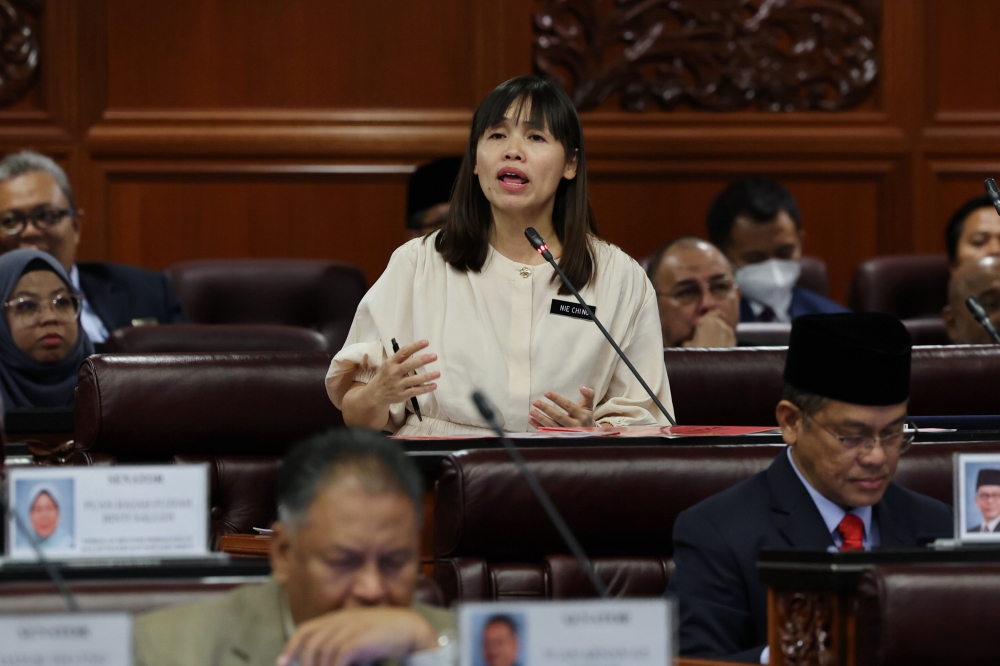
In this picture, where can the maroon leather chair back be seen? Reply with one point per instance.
(923, 614)
(492, 540)
(322, 295)
(215, 338)
(243, 491)
(154, 406)
(814, 276)
(741, 386)
(909, 286)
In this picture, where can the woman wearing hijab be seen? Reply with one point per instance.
(41, 342)
(44, 515)
(494, 313)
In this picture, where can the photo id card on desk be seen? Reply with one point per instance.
(128, 511)
(977, 497)
(568, 633)
(66, 638)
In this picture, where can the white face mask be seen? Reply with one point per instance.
(770, 283)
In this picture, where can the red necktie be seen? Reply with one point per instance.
(853, 531)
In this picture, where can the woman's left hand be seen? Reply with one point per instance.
(563, 414)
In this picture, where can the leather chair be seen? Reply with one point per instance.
(214, 338)
(322, 295)
(927, 332)
(156, 406)
(908, 286)
(493, 541)
(814, 275)
(741, 386)
(922, 614)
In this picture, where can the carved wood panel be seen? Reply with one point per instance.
(721, 55)
(806, 628)
(20, 52)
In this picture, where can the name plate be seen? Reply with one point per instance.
(108, 512)
(570, 633)
(63, 639)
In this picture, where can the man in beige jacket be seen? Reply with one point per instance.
(345, 560)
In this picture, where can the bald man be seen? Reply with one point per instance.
(696, 293)
(979, 278)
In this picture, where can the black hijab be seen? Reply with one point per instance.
(25, 382)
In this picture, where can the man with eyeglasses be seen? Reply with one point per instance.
(696, 293)
(843, 415)
(979, 278)
(988, 500)
(37, 211)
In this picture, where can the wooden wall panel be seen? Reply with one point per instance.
(190, 127)
(300, 54)
(160, 218)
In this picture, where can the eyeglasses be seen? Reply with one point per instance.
(29, 311)
(14, 222)
(988, 497)
(862, 444)
(689, 293)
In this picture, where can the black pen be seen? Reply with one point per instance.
(413, 400)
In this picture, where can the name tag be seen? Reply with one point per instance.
(577, 633)
(123, 511)
(78, 638)
(570, 309)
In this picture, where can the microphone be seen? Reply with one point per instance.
(543, 249)
(486, 410)
(51, 570)
(994, 192)
(979, 313)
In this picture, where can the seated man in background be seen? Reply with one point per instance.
(756, 223)
(973, 232)
(345, 560)
(698, 299)
(842, 414)
(979, 278)
(37, 211)
(427, 194)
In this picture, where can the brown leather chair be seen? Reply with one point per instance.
(492, 540)
(214, 338)
(322, 295)
(908, 286)
(814, 275)
(141, 407)
(741, 386)
(922, 614)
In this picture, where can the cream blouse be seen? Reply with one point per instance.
(495, 331)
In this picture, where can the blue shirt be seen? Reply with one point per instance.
(832, 513)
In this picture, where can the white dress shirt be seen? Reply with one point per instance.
(494, 331)
(91, 323)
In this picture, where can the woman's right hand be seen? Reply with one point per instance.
(394, 382)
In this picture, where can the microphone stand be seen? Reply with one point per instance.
(979, 314)
(543, 249)
(486, 410)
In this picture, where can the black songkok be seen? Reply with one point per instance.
(862, 358)
(988, 477)
(431, 184)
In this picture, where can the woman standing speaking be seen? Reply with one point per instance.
(476, 308)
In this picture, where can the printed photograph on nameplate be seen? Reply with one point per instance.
(66, 638)
(977, 497)
(158, 511)
(628, 633)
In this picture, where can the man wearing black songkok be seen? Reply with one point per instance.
(842, 414)
(988, 500)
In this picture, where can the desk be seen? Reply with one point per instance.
(912, 607)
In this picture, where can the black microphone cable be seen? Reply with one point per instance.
(51, 570)
(543, 249)
(979, 314)
(486, 410)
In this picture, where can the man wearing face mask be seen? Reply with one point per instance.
(757, 225)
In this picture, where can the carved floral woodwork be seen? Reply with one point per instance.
(19, 49)
(721, 55)
(804, 628)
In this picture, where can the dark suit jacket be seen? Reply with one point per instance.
(119, 294)
(979, 528)
(803, 302)
(723, 604)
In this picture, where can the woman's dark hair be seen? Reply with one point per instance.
(465, 238)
